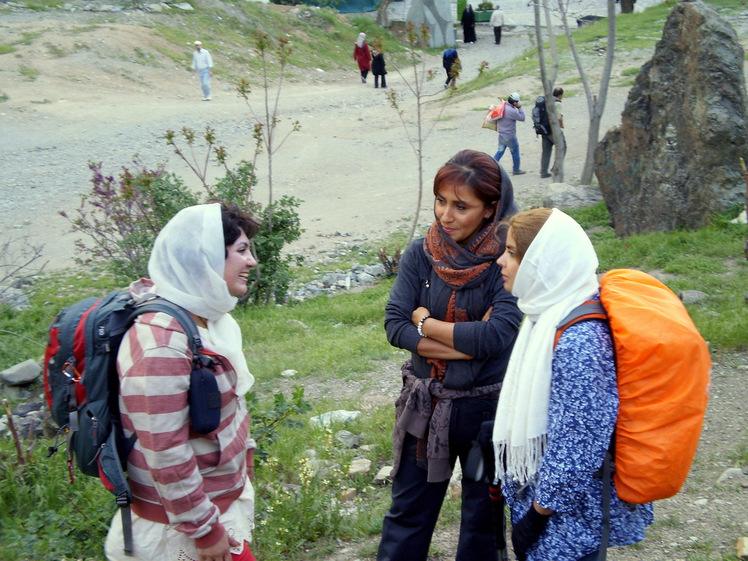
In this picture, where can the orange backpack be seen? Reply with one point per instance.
(662, 366)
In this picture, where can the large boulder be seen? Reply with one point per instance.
(674, 160)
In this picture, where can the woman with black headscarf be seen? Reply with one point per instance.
(448, 308)
(468, 24)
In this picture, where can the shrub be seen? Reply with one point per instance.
(274, 270)
(123, 215)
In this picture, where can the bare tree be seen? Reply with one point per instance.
(382, 15)
(595, 103)
(267, 120)
(548, 80)
(416, 86)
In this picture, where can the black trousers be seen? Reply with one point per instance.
(376, 80)
(497, 35)
(545, 156)
(410, 521)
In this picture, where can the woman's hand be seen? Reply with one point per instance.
(527, 531)
(417, 314)
(219, 551)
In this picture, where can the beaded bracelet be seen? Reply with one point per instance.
(420, 326)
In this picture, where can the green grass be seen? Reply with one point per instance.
(710, 260)
(55, 51)
(29, 73)
(319, 38)
(279, 342)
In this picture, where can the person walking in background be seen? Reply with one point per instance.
(202, 63)
(558, 408)
(547, 139)
(449, 309)
(451, 64)
(362, 56)
(468, 24)
(497, 21)
(378, 67)
(507, 129)
(192, 492)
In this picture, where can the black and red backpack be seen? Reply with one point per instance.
(82, 387)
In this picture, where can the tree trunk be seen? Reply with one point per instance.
(382, 16)
(598, 104)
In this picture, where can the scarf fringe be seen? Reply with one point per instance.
(523, 461)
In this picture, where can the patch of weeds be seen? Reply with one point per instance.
(27, 37)
(3, 97)
(6, 49)
(741, 454)
(43, 5)
(625, 83)
(670, 521)
(29, 73)
(146, 58)
(631, 71)
(82, 29)
(55, 51)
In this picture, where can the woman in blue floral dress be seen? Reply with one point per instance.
(558, 408)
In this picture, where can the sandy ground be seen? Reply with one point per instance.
(351, 163)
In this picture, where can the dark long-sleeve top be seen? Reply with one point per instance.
(488, 342)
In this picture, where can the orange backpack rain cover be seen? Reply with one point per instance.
(663, 367)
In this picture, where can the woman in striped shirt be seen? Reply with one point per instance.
(193, 496)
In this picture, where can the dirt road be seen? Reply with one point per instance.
(350, 163)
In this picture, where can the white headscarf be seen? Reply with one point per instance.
(360, 40)
(556, 274)
(187, 265)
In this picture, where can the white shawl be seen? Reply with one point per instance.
(556, 274)
(187, 265)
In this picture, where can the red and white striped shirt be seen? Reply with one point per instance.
(177, 476)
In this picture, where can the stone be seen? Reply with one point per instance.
(360, 466)
(21, 374)
(348, 495)
(14, 298)
(383, 475)
(742, 547)
(741, 218)
(672, 163)
(289, 373)
(692, 296)
(564, 196)
(730, 473)
(348, 439)
(339, 416)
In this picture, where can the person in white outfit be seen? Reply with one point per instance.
(497, 22)
(203, 65)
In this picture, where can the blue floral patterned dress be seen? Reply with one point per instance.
(581, 417)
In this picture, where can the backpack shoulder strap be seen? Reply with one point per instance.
(159, 304)
(592, 309)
